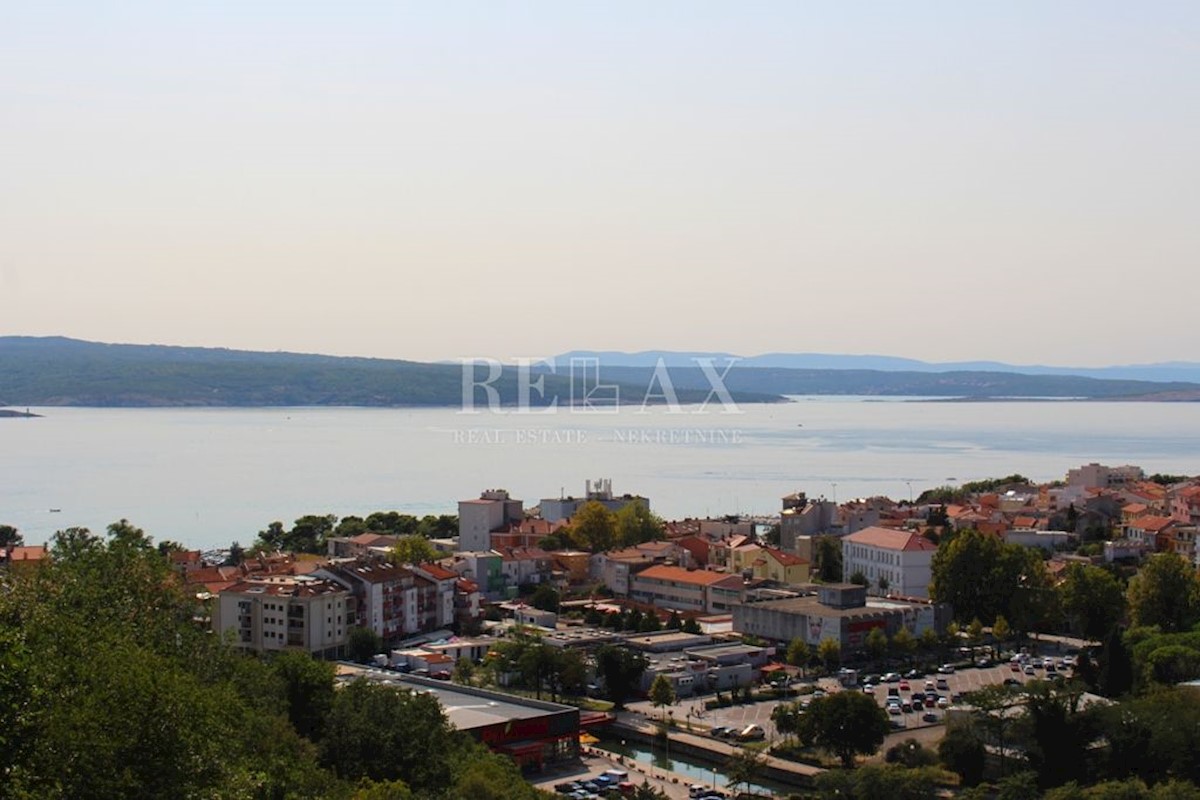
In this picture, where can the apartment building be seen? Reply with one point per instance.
(287, 611)
(893, 561)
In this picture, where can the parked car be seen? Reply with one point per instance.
(906, 707)
(894, 710)
(946, 669)
(891, 677)
(719, 732)
(904, 686)
(1029, 669)
(1011, 682)
(751, 732)
(913, 673)
(626, 788)
(942, 684)
(566, 788)
(918, 704)
(930, 717)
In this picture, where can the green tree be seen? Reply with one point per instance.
(464, 670)
(382, 790)
(691, 626)
(1092, 600)
(827, 552)
(363, 643)
(859, 578)
(975, 631)
(786, 717)
(904, 643)
(622, 671)
(845, 724)
(979, 575)
(635, 524)
(1000, 629)
(962, 750)
(743, 767)
(491, 777)
(799, 653)
(369, 733)
(674, 623)
(1166, 593)
(413, 550)
(308, 688)
(911, 754)
(662, 692)
(545, 597)
(1116, 674)
(9, 537)
(829, 651)
(593, 527)
(877, 643)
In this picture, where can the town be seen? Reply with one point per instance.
(977, 639)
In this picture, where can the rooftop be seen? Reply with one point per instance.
(890, 539)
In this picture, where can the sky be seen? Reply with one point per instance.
(1005, 180)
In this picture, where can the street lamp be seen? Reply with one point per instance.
(910, 498)
(835, 493)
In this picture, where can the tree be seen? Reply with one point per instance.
(904, 643)
(674, 623)
(798, 653)
(845, 724)
(1092, 600)
(662, 692)
(9, 537)
(877, 643)
(545, 597)
(308, 534)
(744, 767)
(370, 733)
(980, 575)
(786, 717)
(237, 554)
(593, 527)
(830, 652)
(962, 750)
(413, 550)
(911, 754)
(464, 670)
(491, 777)
(363, 643)
(691, 626)
(622, 671)
(1116, 667)
(635, 525)
(1000, 629)
(993, 704)
(827, 552)
(975, 631)
(859, 579)
(1166, 593)
(308, 687)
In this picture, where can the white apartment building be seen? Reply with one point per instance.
(901, 561)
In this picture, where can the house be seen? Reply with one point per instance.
(525, 565)
(676, 588)
(484, 568)
(803, 517)
(775, 565)
(575, 563)
(285, 612)
(894, 561)
(1151, 531)
(439, 596)
(526, 533)
(1185, 506)
(23, 556)
(1098, 476)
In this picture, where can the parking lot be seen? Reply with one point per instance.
(961, 681)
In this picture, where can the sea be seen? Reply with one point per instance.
(206, 477)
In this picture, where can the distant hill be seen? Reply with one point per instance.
(1165, 372)
(55, 371)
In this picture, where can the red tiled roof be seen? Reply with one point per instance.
(891, 539)
(786, 559)
(437, 571)
(1153, 524)
(30, 552)
(697, 577)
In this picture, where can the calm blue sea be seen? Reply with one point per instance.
(210, 476)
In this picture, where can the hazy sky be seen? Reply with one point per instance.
(950, 180)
